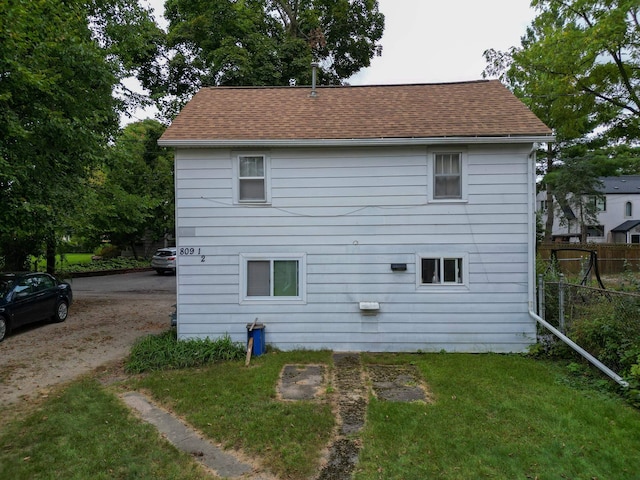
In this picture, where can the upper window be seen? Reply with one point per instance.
(599, 203)
(628, 209)
(252, 179)
(272, 278)
(447, 176)
(442, 270)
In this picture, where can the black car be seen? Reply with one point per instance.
(31, 297)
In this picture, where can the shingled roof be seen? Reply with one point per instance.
(245, 114)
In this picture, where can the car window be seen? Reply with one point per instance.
(24, 286)
(41, 282)
(5, 287)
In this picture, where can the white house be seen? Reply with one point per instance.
(618, 213)
(368, 218)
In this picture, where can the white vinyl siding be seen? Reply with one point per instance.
(352, 213)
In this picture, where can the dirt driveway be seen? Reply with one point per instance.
(108, 314)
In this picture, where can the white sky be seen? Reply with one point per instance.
(427, 41)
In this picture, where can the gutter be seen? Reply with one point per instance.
(354, 142)
(594, 361)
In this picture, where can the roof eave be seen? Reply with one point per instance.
(355, 142)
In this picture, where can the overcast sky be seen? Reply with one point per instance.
(428, 41)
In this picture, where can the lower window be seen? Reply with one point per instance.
(272, 278)
(448, 270)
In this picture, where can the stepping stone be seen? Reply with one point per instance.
(301, 382)
(398, 383)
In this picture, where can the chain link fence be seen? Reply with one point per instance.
(604, 322)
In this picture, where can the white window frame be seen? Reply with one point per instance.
(237, 179)
(300, 299)
(628, 209)
(431, 172)
(442, 285)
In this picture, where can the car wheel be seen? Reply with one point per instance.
(62, 311)
(159, 272)
(4, 328)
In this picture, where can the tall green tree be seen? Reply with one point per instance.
(60, 62)
(132, 194)
(578, 69)
(265, 42)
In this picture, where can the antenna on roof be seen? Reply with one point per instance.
(314, 67)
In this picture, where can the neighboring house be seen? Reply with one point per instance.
(618, 214)
(373, 218)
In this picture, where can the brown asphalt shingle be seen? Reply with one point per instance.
(468, 109)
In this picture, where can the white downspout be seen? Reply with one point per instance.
(532, 281)
(597, 363)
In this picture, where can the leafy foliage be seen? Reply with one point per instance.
(265, 42)
(578, 69)
(162, 352)
(132, 193)
(60, 62)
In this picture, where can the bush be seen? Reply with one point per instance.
(108, 251)
(613, 337)
(103, 265)
(164, 352)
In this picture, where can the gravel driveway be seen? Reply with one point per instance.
(108, 314)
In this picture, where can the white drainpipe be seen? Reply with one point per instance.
(532, 248)
(603, 368)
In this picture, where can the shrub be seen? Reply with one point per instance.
(613, 337)
(108, 251)
(164, 352)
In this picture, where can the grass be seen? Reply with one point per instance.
(499, 417)
(85, 432)
(163, 352)
(493, 416)
(237, 406)
(70, 263)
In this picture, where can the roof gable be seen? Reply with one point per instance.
(467, 109)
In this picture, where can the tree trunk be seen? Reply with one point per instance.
(16, 261)
(51, 253)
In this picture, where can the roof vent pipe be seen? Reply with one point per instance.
(314, 67)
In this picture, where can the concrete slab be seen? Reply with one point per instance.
(301, 382)
(398, 383)
(188, 440)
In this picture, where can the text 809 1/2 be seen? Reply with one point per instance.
(189, 251)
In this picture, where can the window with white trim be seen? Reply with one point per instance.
(252, 179)
(450, 269)
(447, 176)
(598, 203)
(272, 278)
(628, 209)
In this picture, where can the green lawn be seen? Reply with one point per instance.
(65, 260)
(493, 416)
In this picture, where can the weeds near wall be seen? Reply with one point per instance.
(165, 352)
(606, 323)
